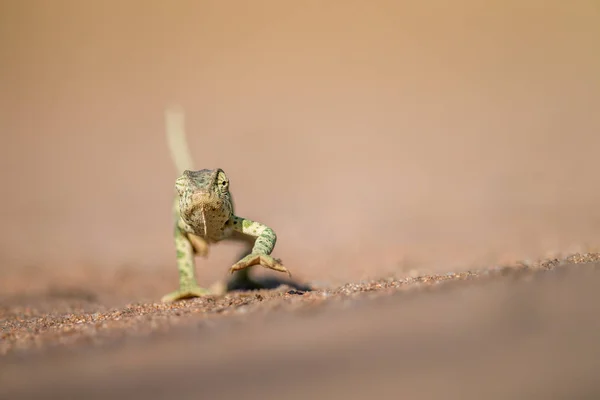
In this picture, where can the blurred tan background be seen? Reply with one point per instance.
(374, 137)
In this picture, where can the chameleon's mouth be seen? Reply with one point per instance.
(206, 200)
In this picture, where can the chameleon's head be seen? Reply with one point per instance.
(205, 191)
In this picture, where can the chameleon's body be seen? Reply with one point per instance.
(203, 215)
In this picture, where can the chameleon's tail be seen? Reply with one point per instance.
(180, 152)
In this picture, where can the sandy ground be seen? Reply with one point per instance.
(391, 145)
(522, 332)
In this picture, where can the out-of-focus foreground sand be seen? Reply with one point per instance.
(379, 139)
(521, 336)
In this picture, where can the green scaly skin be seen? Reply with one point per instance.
(204, 214)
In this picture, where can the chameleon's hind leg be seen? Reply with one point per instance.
(187, 246)
(240, 280)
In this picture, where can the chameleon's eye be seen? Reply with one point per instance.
(224, 183)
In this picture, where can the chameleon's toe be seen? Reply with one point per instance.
(185, 293)
(260, 259)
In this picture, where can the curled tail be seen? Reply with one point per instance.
(180, 152)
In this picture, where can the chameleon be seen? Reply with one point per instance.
(204, 214)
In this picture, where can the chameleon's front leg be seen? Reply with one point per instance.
(263, 246)
(188, 287)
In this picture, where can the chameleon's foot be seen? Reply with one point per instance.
(218, 288)
(259, 259)
(186, 292)
(240, 281)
